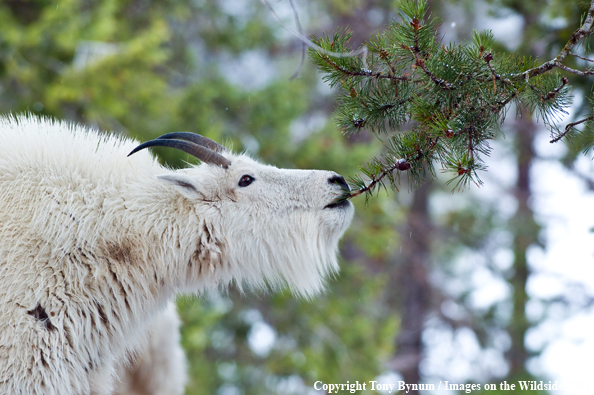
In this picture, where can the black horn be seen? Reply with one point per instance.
(194, 138)
(203, 153)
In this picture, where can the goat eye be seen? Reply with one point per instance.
(246, 180)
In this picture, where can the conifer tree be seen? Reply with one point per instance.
(450, 99)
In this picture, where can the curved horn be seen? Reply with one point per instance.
(204, 154)
(195, 138)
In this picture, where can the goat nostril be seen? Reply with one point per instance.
(338, 180)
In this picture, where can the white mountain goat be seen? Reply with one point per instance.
(94, 244)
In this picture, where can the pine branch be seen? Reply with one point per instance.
(452, 98)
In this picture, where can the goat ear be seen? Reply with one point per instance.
(184, 184)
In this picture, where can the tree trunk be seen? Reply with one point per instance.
(412, 291)
(525, 232)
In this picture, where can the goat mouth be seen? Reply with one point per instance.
(338, 204)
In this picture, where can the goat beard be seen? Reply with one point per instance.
(301, 257)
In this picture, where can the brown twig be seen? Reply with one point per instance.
(553, 93)
(401, 165)
(549, 95)
(363, 73)
(488, 57)
(571, 126)
(581, 57)
(383, 54)
(504, 103)
(438, 81)
(585, 30)
(470, 144)
(576, 72)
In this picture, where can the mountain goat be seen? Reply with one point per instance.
(94, 244)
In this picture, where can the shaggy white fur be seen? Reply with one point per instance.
(93, 245)
(160, 366)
